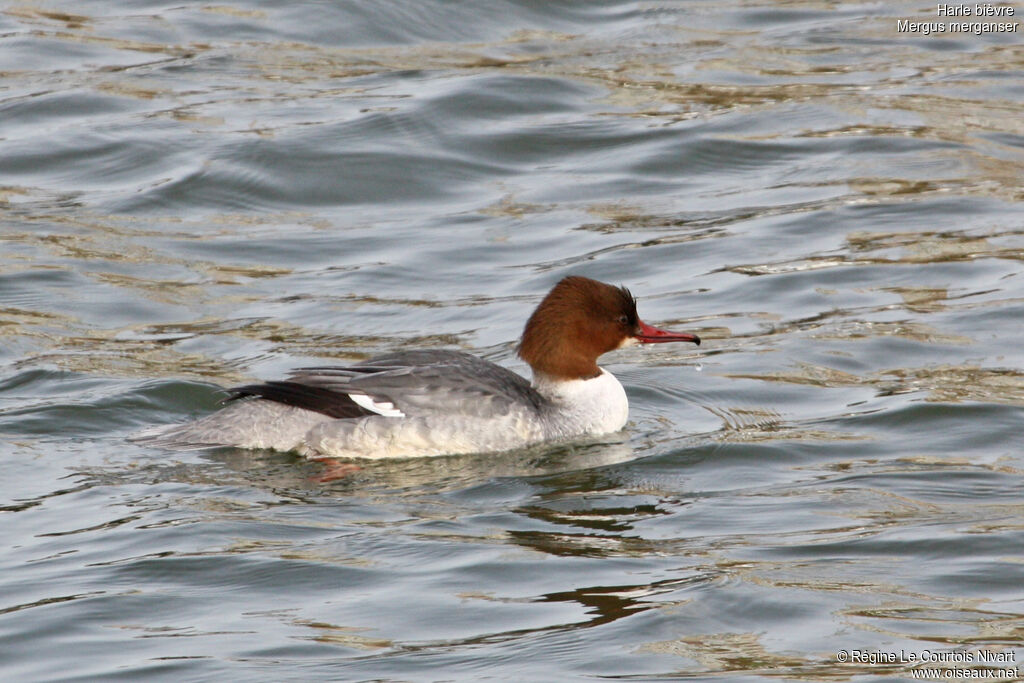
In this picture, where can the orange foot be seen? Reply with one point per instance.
(334, 470)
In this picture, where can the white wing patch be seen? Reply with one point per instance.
(385, 408)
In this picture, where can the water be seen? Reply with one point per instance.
(195, 196)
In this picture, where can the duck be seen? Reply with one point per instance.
(430, 402)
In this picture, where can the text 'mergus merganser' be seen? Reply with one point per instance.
(423, 403)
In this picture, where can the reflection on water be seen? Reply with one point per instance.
(880, 249)
(443, 473)
(944, 384)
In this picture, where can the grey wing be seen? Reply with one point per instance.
(413, 383)
(483, 390)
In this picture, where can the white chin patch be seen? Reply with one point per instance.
(628, 341)
(385, 408)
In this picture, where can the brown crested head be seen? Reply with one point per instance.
(577, 321)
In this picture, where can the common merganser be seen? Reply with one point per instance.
(423, 403)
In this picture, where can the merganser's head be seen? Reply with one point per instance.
(579, 320)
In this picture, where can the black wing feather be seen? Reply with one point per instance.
(318, 399)
(415, 382)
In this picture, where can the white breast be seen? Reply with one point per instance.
(584, 406)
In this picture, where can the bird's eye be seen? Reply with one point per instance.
(623, 320)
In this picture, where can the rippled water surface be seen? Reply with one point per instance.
(197, 195)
